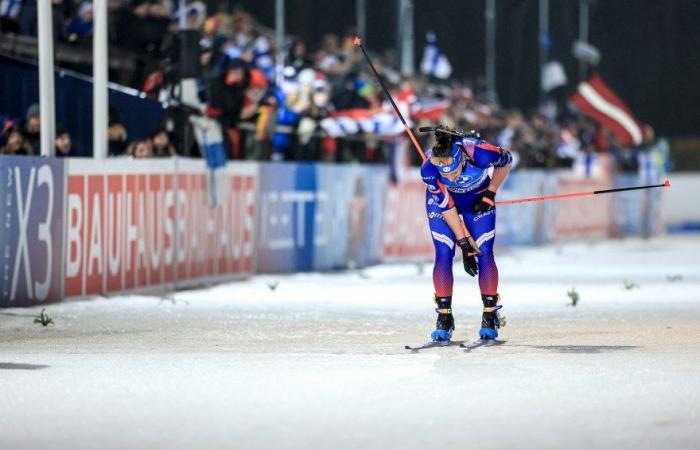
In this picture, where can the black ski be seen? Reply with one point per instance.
(481, 343)
(430, 344)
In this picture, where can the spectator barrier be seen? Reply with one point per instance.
(140, 116)
(75, 227)
(681, 210)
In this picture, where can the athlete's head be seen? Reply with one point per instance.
(447, 157)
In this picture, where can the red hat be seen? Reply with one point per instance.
(257, 79)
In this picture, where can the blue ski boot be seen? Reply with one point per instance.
(445, 324)
(490, 322)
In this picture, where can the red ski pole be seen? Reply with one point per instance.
(666, 183)
(358, 42)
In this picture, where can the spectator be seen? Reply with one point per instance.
(80, 27)
(297, 57)
(64, 146)
(16, 144)
(31, 128)
(330, 58)
(226, 98)
(161, 146)
(140, 149)
(142, 27)
(117, 134)
(28, 21)
(349, 96)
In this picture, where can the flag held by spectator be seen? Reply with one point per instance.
(434, 62)
(210, 139)
(595, 99)
(432, 109)
(553, 76)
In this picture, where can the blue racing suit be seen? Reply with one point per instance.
(468, 188)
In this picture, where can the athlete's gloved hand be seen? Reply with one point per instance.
(487, 202)
(469, 252)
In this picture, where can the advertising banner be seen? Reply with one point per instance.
(521, 224)
(31, 230)
(120, 226)
(406, 234)
(320, 216)
(215, 234)
(79, 227)
(637, 212)
(583, 216)
(288, 202)
(133, 224)
(354, 217)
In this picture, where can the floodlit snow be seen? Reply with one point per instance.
(318, 362)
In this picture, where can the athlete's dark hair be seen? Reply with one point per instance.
(443, 145)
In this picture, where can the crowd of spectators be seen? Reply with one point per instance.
(21, 138)
(268, 113)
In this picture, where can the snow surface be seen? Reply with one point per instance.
(319, 363)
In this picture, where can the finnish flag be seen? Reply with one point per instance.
(262, 57)
(434, 62)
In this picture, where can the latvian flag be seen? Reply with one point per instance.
(595, 99)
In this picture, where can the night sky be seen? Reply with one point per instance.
(650, 48)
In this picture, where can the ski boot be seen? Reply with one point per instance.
(490, 322)
(445, 324)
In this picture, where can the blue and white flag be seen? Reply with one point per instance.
(434, 62)
(262, 57)
(10, 8)
(209, 137)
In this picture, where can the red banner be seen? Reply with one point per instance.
(406, 233)
(583, 217)
(136, 230)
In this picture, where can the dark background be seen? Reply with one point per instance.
(650, 48)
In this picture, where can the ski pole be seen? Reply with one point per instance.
(358, 42)
(666, 183)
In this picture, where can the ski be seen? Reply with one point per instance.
(481, 343)
(430, 344)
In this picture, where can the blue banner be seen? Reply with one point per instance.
(636, 212)
(521, 224)
(320, 216)
(31, 236)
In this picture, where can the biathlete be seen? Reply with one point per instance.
(456, 173)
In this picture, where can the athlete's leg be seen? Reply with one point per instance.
(444, 242)
(483, 229)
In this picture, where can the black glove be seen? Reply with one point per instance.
(469, 252)
(486, 203)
